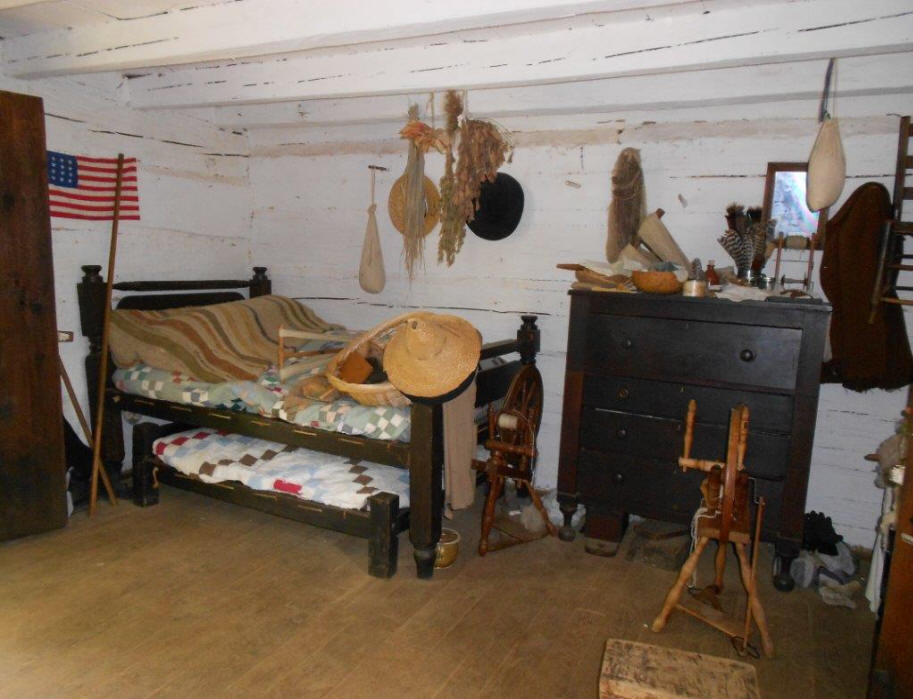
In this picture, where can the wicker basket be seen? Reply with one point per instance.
(370, 393)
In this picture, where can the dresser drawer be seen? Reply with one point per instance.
(637, 484)
(613, 431)
(683, 350)
(769, 412)
(653, 489)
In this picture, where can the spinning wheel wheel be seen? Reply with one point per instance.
(518, 421)
(512, 446)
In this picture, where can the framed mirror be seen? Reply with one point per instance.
(784, 200)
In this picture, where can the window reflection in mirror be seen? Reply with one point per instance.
(784, 200)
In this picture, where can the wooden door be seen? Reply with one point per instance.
(32, 471)
(892, 667)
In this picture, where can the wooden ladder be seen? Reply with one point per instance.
(891, 259)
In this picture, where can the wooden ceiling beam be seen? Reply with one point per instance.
(658, 43)
(757, 84)
(248, 28)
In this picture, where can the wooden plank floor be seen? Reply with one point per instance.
(198, 598)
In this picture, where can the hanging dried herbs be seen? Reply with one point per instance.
(482, 151)
(453, 224)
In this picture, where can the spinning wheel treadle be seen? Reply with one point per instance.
(512, 434)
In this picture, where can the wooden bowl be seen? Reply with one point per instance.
(656, 282)
(448, 548)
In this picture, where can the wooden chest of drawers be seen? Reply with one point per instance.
(633, 363)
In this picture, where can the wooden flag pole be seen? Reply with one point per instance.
(106, 328)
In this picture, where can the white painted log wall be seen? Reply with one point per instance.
(311, 190)
(194, 199)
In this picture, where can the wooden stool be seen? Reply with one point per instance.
(632, 670)
(726, 504)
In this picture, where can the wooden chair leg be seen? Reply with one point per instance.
(537, 501)
(756, 609)
(720, 563)
(488, 516)
(675, 592)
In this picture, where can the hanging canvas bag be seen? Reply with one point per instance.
(826, 168)
(371, 275)
(826, 163)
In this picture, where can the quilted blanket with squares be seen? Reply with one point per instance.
(267, 397)
(215, 456)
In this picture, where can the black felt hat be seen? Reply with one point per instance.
(500, 208)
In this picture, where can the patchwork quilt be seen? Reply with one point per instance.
(215, 456)
(267, 397)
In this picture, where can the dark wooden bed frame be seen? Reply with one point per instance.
(383, 520)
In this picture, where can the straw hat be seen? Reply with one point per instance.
(433, 357)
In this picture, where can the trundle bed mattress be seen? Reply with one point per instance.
(215, 457)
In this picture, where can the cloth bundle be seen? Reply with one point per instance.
(221, 342)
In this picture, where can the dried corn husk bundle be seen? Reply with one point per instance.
(453, 224)
(628, 207)
(423, 136)
(414, 232)
(483, 149)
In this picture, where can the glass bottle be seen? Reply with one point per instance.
(713, 279)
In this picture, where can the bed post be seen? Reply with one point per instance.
(145, 486)
(91, 294)
(260, 284)
(426, 495)
(383, 544)
(528, 339)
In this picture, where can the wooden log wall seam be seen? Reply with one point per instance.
(247, 28)
(677, 41)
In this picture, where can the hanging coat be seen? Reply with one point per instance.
(865, 355)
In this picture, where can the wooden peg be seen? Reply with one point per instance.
(743, 438)
(689, 428)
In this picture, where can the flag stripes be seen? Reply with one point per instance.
(83, 188)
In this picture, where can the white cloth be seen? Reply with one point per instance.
(459, 447)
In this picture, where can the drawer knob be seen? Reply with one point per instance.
(621, 433)
(623, 393)
(626, 343)
(618, 478)
(746, 355)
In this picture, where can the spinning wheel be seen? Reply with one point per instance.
(723, 516)
(523, 402)
(511, 443)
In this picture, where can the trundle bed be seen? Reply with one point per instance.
(380, 521)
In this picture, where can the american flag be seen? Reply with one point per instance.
(82, 187)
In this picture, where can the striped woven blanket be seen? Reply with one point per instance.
(222, 342)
